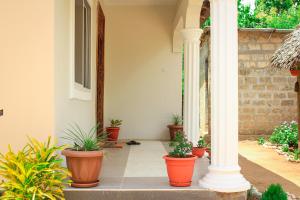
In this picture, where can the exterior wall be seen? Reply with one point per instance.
(142, 75)
(67, 110)
(266, 97)
(26, 69)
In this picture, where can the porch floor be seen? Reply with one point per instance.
(141, 167)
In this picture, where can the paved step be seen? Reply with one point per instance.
(140, 195)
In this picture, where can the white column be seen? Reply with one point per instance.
(224, 172)
(191, 83)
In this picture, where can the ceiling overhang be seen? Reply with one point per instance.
(140, 2)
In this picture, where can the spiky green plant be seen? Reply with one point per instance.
(177, 120)
(181, 146)
(85, 141)
(33, 173)
(115, 123)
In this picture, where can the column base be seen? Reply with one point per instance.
(224, 180)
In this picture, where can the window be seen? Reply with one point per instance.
(81, 48)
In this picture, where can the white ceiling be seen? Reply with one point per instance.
(140, 2)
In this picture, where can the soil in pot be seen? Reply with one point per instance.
(85, 167)
(113, 133)
(180, 170)
(173, 129)
(199, 152)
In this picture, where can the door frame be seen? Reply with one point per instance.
(100, 69)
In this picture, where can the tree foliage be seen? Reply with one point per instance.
(281, 14)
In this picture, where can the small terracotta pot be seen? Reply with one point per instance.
(180, 170)
(295, 72)
(173, 129)
(85, 167)
(113, 133)
(199, 152)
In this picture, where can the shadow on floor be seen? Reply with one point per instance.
(261, 178)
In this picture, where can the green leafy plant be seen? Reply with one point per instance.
(285, 148)
(297, 154)
(181, 146)
(274, 192)
(261, 140)
(201, 143)
(85, 141)
(115, 123)
(34, 172)
(177, 120)
(286, 133)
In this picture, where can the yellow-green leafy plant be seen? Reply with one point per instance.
(33, 173)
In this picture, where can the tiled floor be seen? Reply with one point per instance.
(141, 168)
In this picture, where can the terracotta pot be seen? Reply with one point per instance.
(113, 133)
(173, 129)
(295, 72)
(180, 170)
(85, 167)
(199, 152)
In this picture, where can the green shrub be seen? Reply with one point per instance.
(33, 173)
(261, 140)
(274, 192)
(286, 133)
(285, 148)
(297, 154)
(181, 146)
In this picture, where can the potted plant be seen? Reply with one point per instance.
(84, 159)
(35, 172)
(295, 71)
(200, 149)
(176, 126)
(114, 129)
(180, 163)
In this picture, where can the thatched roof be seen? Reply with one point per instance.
(288, 55)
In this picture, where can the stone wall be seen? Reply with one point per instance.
(266, 96)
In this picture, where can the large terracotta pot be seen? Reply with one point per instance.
(113, 133)
(85, 167)
(173, 129)
(180, 170)
(295, 72)
(199, 152)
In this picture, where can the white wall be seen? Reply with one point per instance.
(69, 111)
(26, 71)
(142, 75)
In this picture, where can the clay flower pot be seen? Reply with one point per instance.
(113, 133)
(173, 129)
(295, 72)
(84, 166)
(199, 152)
(180, 170)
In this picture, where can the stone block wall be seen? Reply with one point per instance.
(266, 96)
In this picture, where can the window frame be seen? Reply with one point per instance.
(78, 91)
